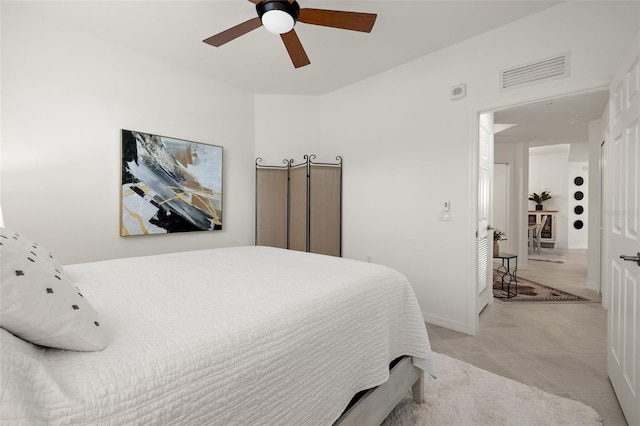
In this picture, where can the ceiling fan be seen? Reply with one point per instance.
(280, 16)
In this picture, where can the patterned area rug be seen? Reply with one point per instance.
(531, 291)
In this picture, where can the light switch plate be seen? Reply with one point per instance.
(445, 216)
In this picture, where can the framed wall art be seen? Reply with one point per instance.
(169, 185)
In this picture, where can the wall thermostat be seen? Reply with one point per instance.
(458, 91)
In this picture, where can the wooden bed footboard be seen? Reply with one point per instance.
(376, 404)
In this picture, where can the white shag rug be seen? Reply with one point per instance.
(464, 395)
(548, 255)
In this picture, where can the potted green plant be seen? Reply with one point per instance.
(540, 198)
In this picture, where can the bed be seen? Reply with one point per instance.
(233, 336)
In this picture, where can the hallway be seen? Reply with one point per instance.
(559, 348)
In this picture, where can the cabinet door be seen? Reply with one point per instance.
(547, 230)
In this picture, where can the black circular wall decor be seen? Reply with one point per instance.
(578, 224)
(578, 210)
(578, 195)
(578, 181)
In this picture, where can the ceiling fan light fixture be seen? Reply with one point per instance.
(278, 16)
(277, 21)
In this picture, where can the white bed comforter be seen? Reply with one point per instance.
(235, 336)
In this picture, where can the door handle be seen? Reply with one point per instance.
(635, 258)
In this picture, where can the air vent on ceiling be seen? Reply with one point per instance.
(535, 72)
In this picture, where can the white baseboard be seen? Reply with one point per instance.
(446, 323)
(594, 286)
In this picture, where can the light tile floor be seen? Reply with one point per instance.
(559, 348)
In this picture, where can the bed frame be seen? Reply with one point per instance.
(376, 404)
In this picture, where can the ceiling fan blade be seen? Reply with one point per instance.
(354, 21)
(234, 32)
(294, 47)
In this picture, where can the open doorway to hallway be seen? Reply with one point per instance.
(552, 145)
(548, 345)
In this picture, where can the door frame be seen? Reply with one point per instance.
(604, 146)
(522, 97)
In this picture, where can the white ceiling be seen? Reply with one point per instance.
(257, 62)
(547, 122)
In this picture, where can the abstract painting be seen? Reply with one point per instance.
(169, 185)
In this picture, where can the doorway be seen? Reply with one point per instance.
(559, 140)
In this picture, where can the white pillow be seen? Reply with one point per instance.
(21, 243)
(38, 303)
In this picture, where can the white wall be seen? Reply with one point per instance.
(65, 97)
(579, 152)
(550, 169)
(578, 166)
(407, 147)
(548, 172)
(516, 155)
(578, 238)
(500, 201)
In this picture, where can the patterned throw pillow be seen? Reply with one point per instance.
(38, 303)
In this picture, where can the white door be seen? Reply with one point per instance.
(485, 237)
(623, 277)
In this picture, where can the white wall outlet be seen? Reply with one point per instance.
(446, 206)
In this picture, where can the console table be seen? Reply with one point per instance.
(507, 274)
(548, 232)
